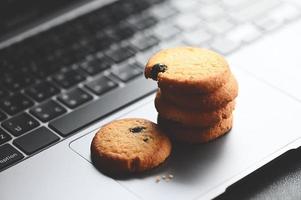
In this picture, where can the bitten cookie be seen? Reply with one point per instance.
(188, 69)
(128, 146)
(189, 117)
(195, 135)
(217, 99)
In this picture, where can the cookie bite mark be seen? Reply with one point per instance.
(156, 69)
(189, 69)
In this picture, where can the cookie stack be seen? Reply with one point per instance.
(196, 93)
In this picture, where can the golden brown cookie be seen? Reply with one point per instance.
(188, 69)
(195, 135)
(204, 102)
(192, 118)
(128, 146)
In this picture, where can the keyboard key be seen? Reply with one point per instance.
(166, 31)
(69, 78)
(277, 17)
(224, 45)
(220, 26)
(8, 156)
(20, 124)
(244, 33)
(121, 53)
(267, 23)
(285, 12)
(127, 72)
(103, 41)
(42, 91)
(15, 104)
(211, 12)
(101, 85)
(187, 22)
(48, 111)
(185, 6)
(40, 69)
(143, 21)
(15, 82)
(175, 42)
(142, 57)
(2, 116)
(4, 137)
(110, 102)
(196, 38)
(3, 93)
(96, 65)
(123, 31)
(35, 140)
(254, 10)
(144, 42)
(163, 11)
(235, 4)
(75, 98)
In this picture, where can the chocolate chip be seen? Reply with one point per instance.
(145, 139)
(156, 69)
(137, 129)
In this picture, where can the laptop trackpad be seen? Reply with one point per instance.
(266, 124)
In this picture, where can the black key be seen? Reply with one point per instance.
(101, 85)
(127, 72)
(42, 91)
(20, 124)
(166, 32)
(103, 41)
(4, 137)
(47, 111)
(120, 54)
(74, 98)
(3, 93)
(2, 116)
(144, 21)
(102, 107)
(8, 156)
(15, 82)
(35, 140)
(43, 70)
(145, 42)
(69, 78)
(96, 65)
(123, 31)
(15, 104)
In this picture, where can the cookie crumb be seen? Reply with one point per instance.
(164, 177)
(158, 178)
(170, 176)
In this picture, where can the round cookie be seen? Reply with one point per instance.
(188, 69)
(129, 146)
(195, 135)
(190, 117)
(217, 99)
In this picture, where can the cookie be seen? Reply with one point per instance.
(192, 117)
(127, 146)
(188, 69)
(204, 102)
(195, 135)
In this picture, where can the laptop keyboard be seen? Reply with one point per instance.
(59, 81)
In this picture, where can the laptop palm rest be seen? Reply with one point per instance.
(266, 124)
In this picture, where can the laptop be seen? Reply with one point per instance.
(68, 67)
